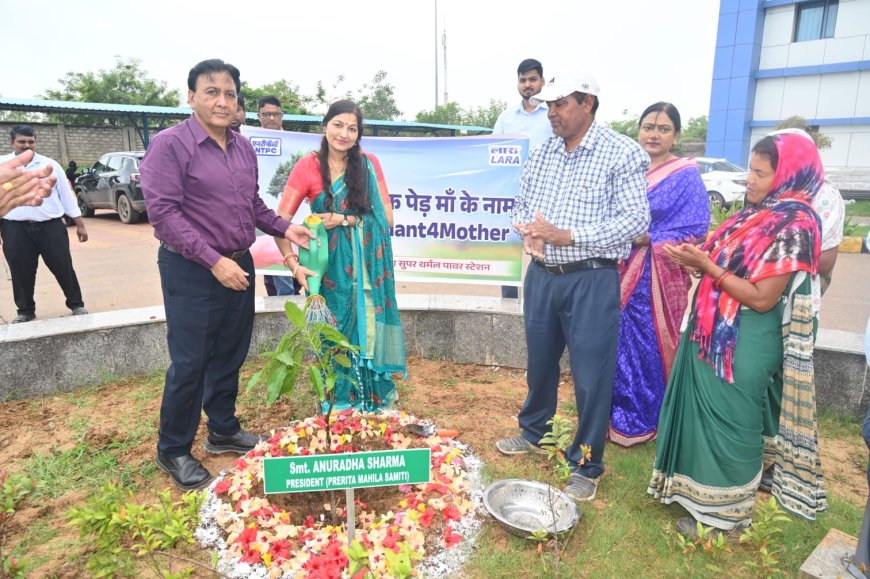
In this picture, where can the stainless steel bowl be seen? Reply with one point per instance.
(524, 506)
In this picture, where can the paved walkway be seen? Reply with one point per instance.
(117, 269)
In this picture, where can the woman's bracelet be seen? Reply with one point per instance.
(717, 283)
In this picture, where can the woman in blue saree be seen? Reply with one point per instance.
(346, 189)
(654, 288)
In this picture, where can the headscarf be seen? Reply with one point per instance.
(779, 235)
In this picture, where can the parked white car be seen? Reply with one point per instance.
(725, 181)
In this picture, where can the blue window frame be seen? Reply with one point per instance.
(815, 20)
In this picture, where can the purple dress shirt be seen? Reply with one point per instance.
(201, 200)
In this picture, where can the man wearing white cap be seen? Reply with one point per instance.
(582, 200)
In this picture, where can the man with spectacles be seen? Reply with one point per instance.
(200, 183)
(271, 116)
(270, 113)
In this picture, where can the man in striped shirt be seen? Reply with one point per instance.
(582, 200)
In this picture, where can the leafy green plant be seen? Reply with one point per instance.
(711, 540)
(718, 215)
(764, 535)
(358, 557)
(327, 348)
(120, 529)
(850, 227)
(556, 441)
(15, 490)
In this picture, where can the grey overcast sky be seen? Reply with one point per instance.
(640, 51)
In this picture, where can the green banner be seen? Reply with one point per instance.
(326, 472)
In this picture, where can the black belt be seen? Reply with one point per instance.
(591, 263)
(235, 255)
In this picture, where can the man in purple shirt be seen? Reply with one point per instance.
(200, 183)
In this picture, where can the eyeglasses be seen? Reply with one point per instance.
(272, 115)
(660, 129)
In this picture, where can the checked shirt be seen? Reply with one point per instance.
(598, 191)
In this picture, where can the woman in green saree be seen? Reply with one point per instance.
(346, 189)
(741, 395)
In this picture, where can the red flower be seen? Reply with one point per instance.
(451, 513)
(309, 522)
(391, 539)
(281, 549)
(223, 486)
(450, 538)
(248, 535)
(251, 556)
(437, 488)
(426, 517)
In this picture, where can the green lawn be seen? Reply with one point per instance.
(858, 208)
(623, 533)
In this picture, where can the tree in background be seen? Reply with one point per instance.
(292, 100)
(695, 129)
(375, 99)
(821, 140)
(125, 83)
(628, 126)
(447, 114)
(484, 116)
(452, 114)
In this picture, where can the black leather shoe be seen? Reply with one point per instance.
(21, 318)
(240, 442)
(185, 471)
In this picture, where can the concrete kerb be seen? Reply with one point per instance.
(57, 355)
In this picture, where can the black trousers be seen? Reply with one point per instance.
(23, 243)
(208, 334)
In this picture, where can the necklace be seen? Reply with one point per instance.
(337, 168)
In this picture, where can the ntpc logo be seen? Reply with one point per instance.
(267, 146)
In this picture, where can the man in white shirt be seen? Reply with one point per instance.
(528, 119)
(31, 232)
(21, 187)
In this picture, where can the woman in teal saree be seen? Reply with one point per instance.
(346, 189)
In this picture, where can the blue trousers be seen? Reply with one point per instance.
(208, 334)
(579, 310)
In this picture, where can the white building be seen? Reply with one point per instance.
(780, 58)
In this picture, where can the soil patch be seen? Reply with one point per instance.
(117, 422)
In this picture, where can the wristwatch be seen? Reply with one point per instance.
(344, 221)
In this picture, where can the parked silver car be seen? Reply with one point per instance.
(112, 183)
